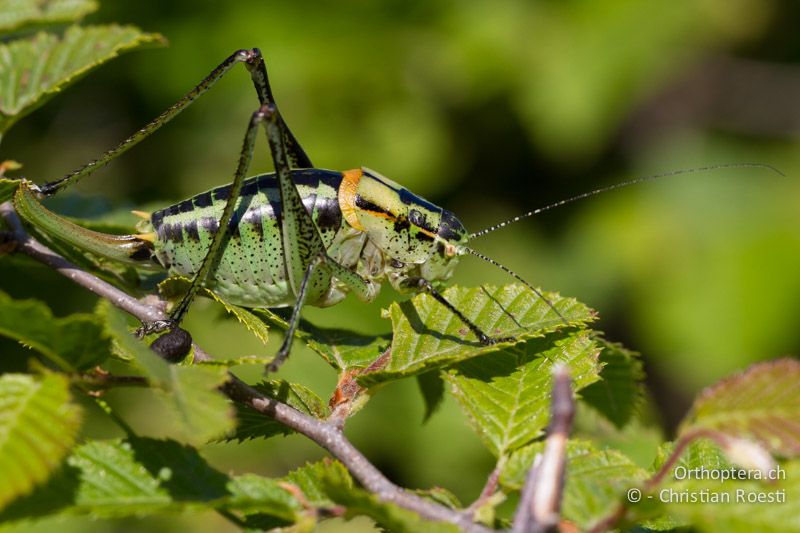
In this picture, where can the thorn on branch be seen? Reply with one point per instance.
(540, 501)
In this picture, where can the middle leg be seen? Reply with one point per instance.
(168, 344)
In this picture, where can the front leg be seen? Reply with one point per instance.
(423, 285)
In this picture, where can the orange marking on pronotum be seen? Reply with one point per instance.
(347, 196)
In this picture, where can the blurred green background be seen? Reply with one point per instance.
(488, 108)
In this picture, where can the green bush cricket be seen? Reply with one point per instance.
(298, 236)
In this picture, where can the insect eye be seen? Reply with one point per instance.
(396, 264)
(416, 218)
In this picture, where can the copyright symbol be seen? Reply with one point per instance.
(634, 495)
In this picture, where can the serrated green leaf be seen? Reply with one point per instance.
(141, 476)
(711, 504)
(308, 478)
(762, 404)
(38, 424)
(7, 189)
(427, 335)
(441, 496)
(144, 476)
(596, 479)
(111, 475)
(737, 514)
(101, 478)
(201, 411)
(332, 480)
(328, 482)
(176, 287)
(19, 14)
(251, 424)
(700, 453)
(431, 385)
(76, 342)
(180, 469)
(189, 393)
(342, 349)
(506, 395)
(34, 69)
(618, 394)
(252, 494)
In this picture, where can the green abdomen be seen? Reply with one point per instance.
(251, 271)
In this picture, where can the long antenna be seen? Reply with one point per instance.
(512, 273)
(621, 185)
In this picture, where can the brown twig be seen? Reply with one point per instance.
(33, 248)
(323, 433)
(489, 488)
(332, 439)
(540, 501)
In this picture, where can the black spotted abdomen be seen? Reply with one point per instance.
(251, 270)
